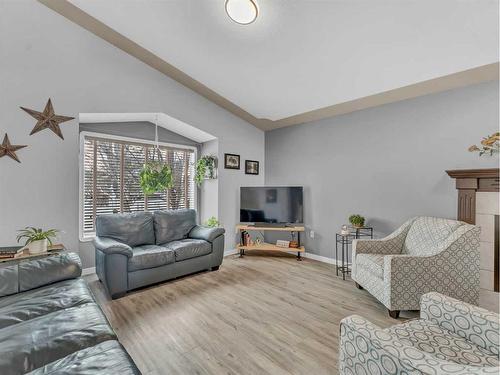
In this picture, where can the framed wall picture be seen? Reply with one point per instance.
(251, 167)
(231, 161)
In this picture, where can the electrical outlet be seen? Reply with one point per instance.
(311, 234)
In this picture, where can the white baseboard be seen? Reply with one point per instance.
(321, 258)
(231, 252)
(88, 271)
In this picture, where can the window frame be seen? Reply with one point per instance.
(86, 237)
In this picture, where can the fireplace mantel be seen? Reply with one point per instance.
(470, 181)
(478, 203)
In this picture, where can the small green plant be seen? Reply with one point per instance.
(155, 176)
(357, 220)
(205, 167)
(212, 222)
(32, 234)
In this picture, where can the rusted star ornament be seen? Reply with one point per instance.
(47, 119)
(7, 149)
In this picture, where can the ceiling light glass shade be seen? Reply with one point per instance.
(242, 11)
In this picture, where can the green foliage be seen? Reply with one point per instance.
(155, 177)
(205, 164)
(32, 234)
(212, 222)
(357, 220)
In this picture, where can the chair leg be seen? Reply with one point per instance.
(394, 314)
(358, 286)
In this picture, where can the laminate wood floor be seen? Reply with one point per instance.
(256, 315)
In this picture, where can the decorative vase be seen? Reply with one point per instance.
(38, 247)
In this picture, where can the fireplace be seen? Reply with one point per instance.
(478, 203)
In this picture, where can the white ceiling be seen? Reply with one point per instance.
(300, 56)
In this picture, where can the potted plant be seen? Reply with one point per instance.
(206, 168)
(155, 176)
(212, 222)
(357, 221)
(37, 240)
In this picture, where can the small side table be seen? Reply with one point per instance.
(345, 240)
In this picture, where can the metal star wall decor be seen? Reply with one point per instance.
(7, 149)
(47, 119)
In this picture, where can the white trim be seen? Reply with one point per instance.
(86, 238)
(319, 258)
(231, 252)
(88, 271)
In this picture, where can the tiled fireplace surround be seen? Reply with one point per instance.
(478, 203)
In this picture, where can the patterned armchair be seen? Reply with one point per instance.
(451, 337)
(426, 254)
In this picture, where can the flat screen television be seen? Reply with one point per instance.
(272, 205)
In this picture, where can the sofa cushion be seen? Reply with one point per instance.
(173, 225)
(150, 256)
(373, 263)
(427, 233)
(34, 343)
(431, 338)
(190, 248)
(133, 229)
(42, 301)
(108, 357)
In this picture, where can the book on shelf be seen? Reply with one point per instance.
(11, 252)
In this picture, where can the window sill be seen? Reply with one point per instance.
(87, 238)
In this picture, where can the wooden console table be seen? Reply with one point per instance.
(267, 246)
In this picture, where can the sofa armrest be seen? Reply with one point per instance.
(363, 345)
(25, 274)
(468, 321)
(110, 246)
(205, 233)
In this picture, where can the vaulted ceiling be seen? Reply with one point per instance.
(311, 57)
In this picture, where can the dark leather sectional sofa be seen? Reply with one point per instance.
(143, 248)
(51, 324)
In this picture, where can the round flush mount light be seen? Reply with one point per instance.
(242, 11)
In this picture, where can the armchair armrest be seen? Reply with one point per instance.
(204, 233)
(110, 246)
(391, 244)
(363, 345)
(471, 322)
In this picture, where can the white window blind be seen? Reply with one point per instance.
(111, 170)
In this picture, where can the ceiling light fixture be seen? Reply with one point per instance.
(243, 12)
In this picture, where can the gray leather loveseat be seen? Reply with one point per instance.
(139, 249)
(51, 324)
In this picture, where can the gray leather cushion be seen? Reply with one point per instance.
(34, 343)
(19, 276)
(37, 302)
(172, 225)
(108, 357)
(150, 256)
(132, 229)
(190, 248)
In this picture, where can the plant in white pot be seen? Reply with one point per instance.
(37, 240)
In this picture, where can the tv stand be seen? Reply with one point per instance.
(267, 246)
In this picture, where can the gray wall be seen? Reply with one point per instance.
(386, 163)
(44, 55)
(140, 130)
